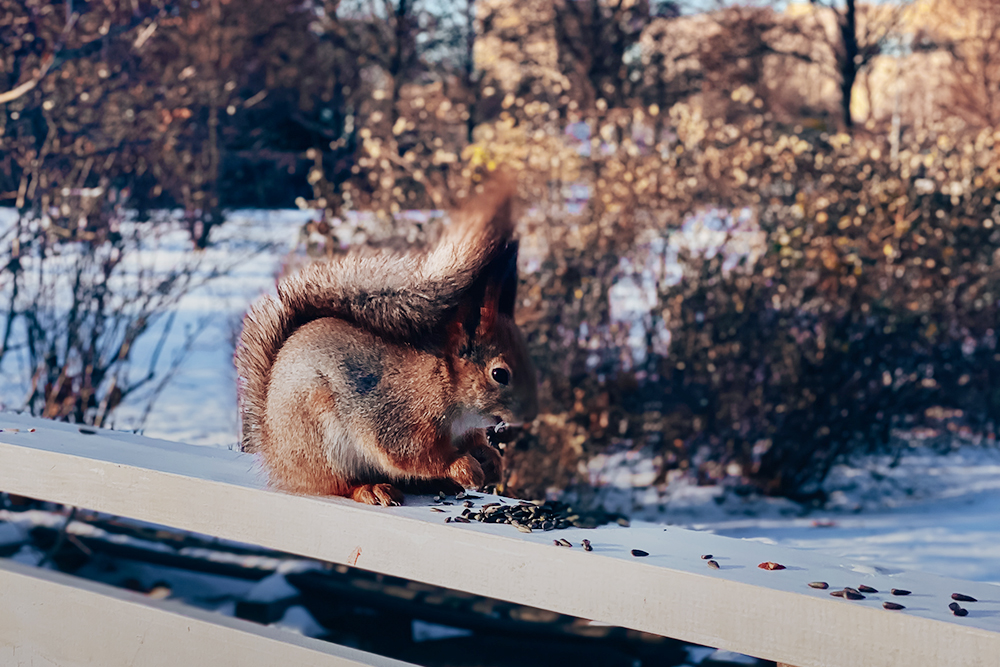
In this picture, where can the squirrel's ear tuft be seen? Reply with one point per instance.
(501, 287)
(508, 281)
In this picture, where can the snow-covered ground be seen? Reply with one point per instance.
(937, 513)
(934, 512)
(198, 404)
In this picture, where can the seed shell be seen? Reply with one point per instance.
(892, 606)
(706, 556)
(639, 553)
(586, 546)
(770, 565)
(822, 585)
(712, 564)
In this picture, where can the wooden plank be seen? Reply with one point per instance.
(768, 614)
(49, 618)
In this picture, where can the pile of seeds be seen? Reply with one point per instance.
(528, 516)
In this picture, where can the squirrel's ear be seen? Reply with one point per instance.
(501, 287)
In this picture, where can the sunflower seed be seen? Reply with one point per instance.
(586, 546)
(639, 553)
(957, 609)
(712, 564)
(706, 556)
(822, 585)
(963, 598)
(893, 606)
(867, 589)
(435, 509)
(899, 591)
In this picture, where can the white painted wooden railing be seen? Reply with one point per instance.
(773, 615)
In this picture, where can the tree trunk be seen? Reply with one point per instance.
(848, 60)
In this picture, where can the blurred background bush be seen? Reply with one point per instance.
(757, 238)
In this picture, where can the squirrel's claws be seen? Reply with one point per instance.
(378, 494)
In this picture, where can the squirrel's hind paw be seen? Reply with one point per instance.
(377, 494)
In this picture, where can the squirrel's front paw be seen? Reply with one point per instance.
(490, 461)
(467, 472)
(377, 494)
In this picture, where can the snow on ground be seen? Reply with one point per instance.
(932, 512)
(198, 406)
(929, 511)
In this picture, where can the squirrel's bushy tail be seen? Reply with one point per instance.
(400, 296)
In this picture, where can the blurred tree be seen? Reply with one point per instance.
(862, 32)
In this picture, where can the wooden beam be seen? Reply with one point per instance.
(739, 607)
(49, 618)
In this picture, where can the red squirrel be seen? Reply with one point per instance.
(378, 369)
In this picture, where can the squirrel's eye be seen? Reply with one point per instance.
(501, 375)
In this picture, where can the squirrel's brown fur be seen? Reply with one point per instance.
(378, 368)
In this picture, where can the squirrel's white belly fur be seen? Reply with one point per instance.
(348, 457)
